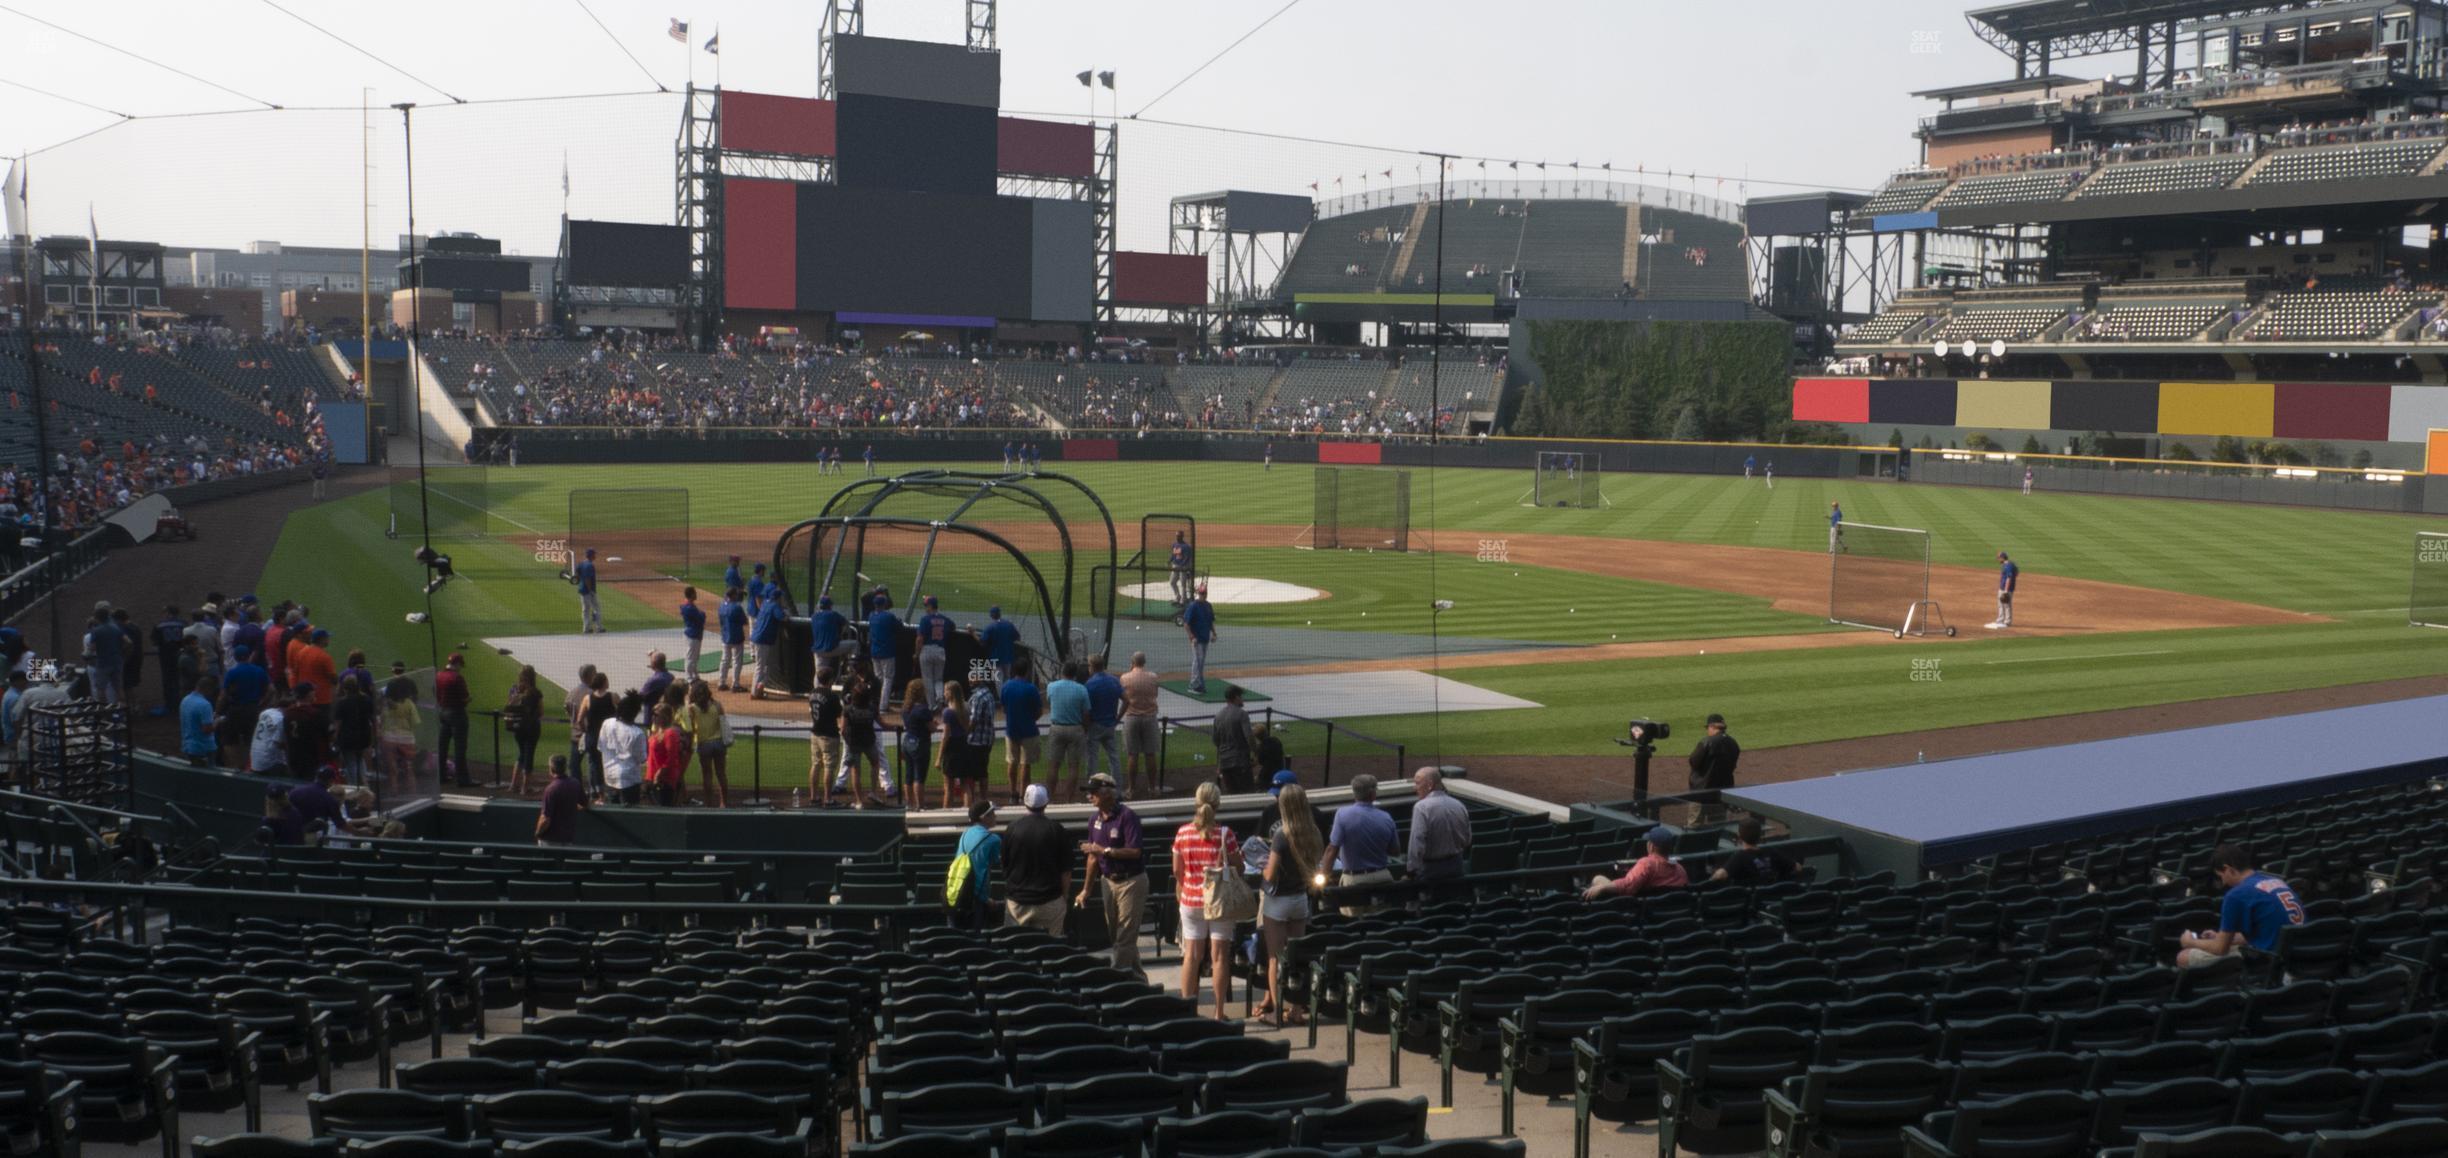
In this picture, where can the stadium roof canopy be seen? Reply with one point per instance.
(1964, 92)
(2064, 29)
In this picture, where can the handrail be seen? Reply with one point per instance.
(1341, 894)
(120, 814)
(810, 912)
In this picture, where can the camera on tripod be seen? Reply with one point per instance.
(1646, 732)
(1642, 738)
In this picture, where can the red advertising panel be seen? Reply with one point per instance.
(1044, 148)
(1091, 449)
(1159, 279)
(760, 244)
(1351, 453)
(763, 123)
(2329, 410)
(1831, 400)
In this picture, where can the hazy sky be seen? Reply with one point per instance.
(1774, 90)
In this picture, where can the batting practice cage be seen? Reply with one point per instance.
(2429, 606)
(1362, 510)
(457, 499)
(1024, 544)
(1878, 577)
(638, 533)
(1144, 586)
(1566, 478)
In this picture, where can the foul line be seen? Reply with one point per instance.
(2092, 655)
(488, 512)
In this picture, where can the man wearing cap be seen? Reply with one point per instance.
(731, 575)
(732, 619)
(276, 645)
(1440, 834)
(766, 634)
(884, 648)
(197, 721)
(1001, 638)
(692, 629)
(757, 591)
(1272, 814)
(1198, 618)
(268, 747)
(315, 804)
(2008, 573)
(1653, 872)
(828, 635)
(590, 612)
(205, 633)
(1023, 705)
(983, 849)
(658, 679)
(1116, 857)
(1037, 856)
(1712, 767)
(1142, 730)
(1361, 843)
(233, 618)
(934, 640)
(242, 695)
(451, 700)
(1179, 564)
(564, 799)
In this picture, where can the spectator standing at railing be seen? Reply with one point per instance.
(105, 645)
(205, 633)
(1360, 845)
(658, 679)
(197, 722)
(1440, 834)
(353, 728)
(242, 694)
(934, 631)
(523, 714)
(709, 731)
(1104, 717)
(451, 700)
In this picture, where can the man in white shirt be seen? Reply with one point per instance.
(624, 750)
(268, 754)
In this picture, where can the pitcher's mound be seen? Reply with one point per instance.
(1230, 589)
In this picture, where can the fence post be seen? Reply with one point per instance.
(1164, 744)
(494, 719)
(756, 764)
(1399, 761)
(1326, 779)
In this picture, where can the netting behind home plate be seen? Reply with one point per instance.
(637, 532)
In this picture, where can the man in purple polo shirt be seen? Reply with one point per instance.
(1115, 856)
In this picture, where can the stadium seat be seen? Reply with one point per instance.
(1079, 1063)
(2279, 1054)
(1992, 1038)
(2419, 1092)
(1218, 1055)
(374, 1114)
(466, 1076)
(1855, 1109)
(2405, 1040)
(1078, 1138)
(1367, 1126)
(531, 1115)
(1462, 1148)
(956, 1108)
(414, 1146)
(2227, 1142)
(2411, 1138)
(1137, 1097)
(2049, 1124)
(2119, 1069)
(974, 1144)
(1273, 1086)
(2330, 1099)
(262, 1146)
(575, 1148)
(1229, 1134)
(666, 1119)
(1711, 1093)
(2022, 1074)
(2182, 1106)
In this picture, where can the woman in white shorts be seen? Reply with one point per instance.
(1198, 845)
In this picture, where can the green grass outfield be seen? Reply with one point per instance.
(2350, 566)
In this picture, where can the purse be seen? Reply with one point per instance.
(1229, 897)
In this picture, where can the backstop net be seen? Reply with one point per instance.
(638, 533)
(1879, 577)
(2429, 606)
(1566, 478)
(1145, 586)
(455, 498)
(1362, 510)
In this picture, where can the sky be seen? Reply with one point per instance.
(1771, 96)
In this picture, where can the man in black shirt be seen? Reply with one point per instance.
(1037, 857)
(1751, 864)
(1712, 767)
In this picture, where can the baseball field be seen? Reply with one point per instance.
(1687, 595)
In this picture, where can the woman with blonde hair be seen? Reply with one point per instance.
(710, 733)
(1198, 846)
(1294, 851)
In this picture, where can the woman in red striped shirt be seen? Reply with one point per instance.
(1198, 846)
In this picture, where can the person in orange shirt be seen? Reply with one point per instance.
(310, 662)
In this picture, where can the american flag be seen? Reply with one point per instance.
(679, 30)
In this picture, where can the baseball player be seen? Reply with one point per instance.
(1769, 472)
(732, 619)
(934, 637)
(2027, 480)
(1270, 455)
(590, 612)
(884, 649)
(731, 575)
(1835, 528)
(868, 456)
(692, 628)
(2007, 574)
(1179, 562)
(1198, 618)
(1750, 465)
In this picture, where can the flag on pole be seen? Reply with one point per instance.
(565, 174)
(13, 199)
(713, 43)
(679, 30)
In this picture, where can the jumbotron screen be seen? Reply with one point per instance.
(837, 249)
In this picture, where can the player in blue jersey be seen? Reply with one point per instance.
(884, 649)
(590, 612)
(732, 619)
(1181, 566)
(934, 642)
(2008, 573)
(731, 575)
(692, 628)
(1001, 638)
(868, 455)
(1835, 528)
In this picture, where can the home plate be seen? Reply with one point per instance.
(1362, 693)
(1229, 589)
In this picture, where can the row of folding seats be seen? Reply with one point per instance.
(2038, 185)
(1375, 1128)
(2012, 324)
(2172, 322)
(2056, 1124)
(2192, 174)
(2345, 162)
(1900, 197)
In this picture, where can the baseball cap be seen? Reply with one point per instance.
(735, 558)
(1099, 780)
(275, 792)
(824, 601)
(320, 634)
(1202, 589)
(1283, 777)
(455, 660)
(995, 612)
(1660, 835)
(1714, 718)
(102, 605)
(590, 552)
(1036, 797)
(399, 666)
(209, 609)
(930, 601)
(980, 809)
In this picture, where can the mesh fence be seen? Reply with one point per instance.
(1566, 478)
(1145, 585)
(456, 499)
(1363, 510)
(970, 571)
(638, 533)
(2429, 606)
(1878, 577)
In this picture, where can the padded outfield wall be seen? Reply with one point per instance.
(2391, 420)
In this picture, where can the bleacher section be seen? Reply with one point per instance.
(1888, 326)
(2349, 314)
(1331, 394)
(2171, 322)
(2042, 185)
(2008, 323)
(1236, 391)
(1463, 385)
(1901, 197)
(1692, 257)
(2346, 162)
(2185, 176)
(289, 371)
(1353, 253)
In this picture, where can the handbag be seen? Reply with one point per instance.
(1229, 897)
(727, 739)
